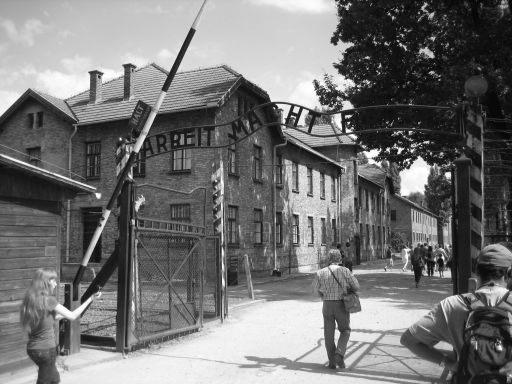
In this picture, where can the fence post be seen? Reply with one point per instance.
(71, 334)
(248, 276)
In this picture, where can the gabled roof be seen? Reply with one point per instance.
(298, 143)
(60, 107)
(375, 174)
(11, 162)
(413, 204)
(324, 130)
(190, 90)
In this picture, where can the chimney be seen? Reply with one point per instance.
(95, 87)
(129, 81)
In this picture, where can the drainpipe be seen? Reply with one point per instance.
(68, 203)
(275, 272)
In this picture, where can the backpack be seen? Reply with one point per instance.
(416, 259)
(487, 341)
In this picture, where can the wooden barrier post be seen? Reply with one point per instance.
(248, 276)
(71, 336)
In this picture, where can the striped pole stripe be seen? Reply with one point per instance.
(474, 151)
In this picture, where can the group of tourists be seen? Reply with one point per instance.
(477, 324)
(423, 258)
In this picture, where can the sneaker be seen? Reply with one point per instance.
(385, 269)
(339, 361)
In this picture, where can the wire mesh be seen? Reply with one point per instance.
(167, 282)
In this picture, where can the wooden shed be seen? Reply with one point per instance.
(31, 217)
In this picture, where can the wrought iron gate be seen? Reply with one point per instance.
(171, 289)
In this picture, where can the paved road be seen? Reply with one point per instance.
(279, 339)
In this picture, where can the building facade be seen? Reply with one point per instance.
(417, 223)
(283, 198)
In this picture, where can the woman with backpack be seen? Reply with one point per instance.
(476, 325)
(38, 313)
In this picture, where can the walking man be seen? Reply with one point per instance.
(446, 321)
(405, 254)
(389, 257)
(332, 283)
(417, 263)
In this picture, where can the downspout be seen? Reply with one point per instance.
(68, 203)
(275, 272)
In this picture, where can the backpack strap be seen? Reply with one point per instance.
(469, 300)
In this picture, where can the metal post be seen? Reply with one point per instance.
(124, 268)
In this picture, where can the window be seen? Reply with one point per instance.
(257, 165)
(393, 215)
(310, 181)
(258, 226)
(373, 202)
(92, 160)
(322, 185)
(243, 105)
(232, 224)
(333, 188)
(233, 159)
(180, 212)
(311, 231)
(35, 120)
(90, 219)
(295, 177)
(34, 156)
(181, 158)
(139, 168)
(367, 199)
(334, 232)
(295, 229)
(279, 228)
(279, 170)
(323, 232)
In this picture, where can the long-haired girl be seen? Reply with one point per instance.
(38, 314)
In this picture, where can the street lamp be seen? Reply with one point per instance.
(475, 86)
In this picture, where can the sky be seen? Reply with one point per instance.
(280, 45)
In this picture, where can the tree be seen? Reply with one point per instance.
(416, 197)
(418, 52)
(438, 191)
(394, 173)
(398, 240)
(362, 158)
(323, 119)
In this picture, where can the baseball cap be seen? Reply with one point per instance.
(495, 254)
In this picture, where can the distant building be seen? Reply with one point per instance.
(375, 189)
(417, 223)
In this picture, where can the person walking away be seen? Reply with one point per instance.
(430, 261)
(38, 313)
(335, 253)
(332, 283)
(405, 254)
(440, 257)
(347, 260)
(389, 257)
(417, 263)
(457, 318)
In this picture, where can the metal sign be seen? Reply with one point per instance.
(139, 117)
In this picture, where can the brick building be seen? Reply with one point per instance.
(417, 223)
(77, 137)
(375, 188)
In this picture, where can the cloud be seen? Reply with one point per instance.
(7, 98)
(133, 58)
(165, 56)
(304, 93)
(300, 6)
(77, 64)
(26, 34)
(415, 178)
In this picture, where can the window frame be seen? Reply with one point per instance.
(232, 226)
(183, 210)
(257, 163)
(258, 226)
(311, 231)
(323, 231)
(333, 189)
(233, 159)
(34, 156)
(181, 159)
(295, 229)
(93, 160)
(279, 228)
(310, 181)
(279, 170)
(295, 177)
(322, 185)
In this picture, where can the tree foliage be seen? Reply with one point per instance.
(438, 192)
(323, 119)
(418, 52)
(394, 173)
(398, 240)
(416, 197)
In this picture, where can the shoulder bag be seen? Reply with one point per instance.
(351, 300)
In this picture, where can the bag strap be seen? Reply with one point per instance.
(333, 275)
